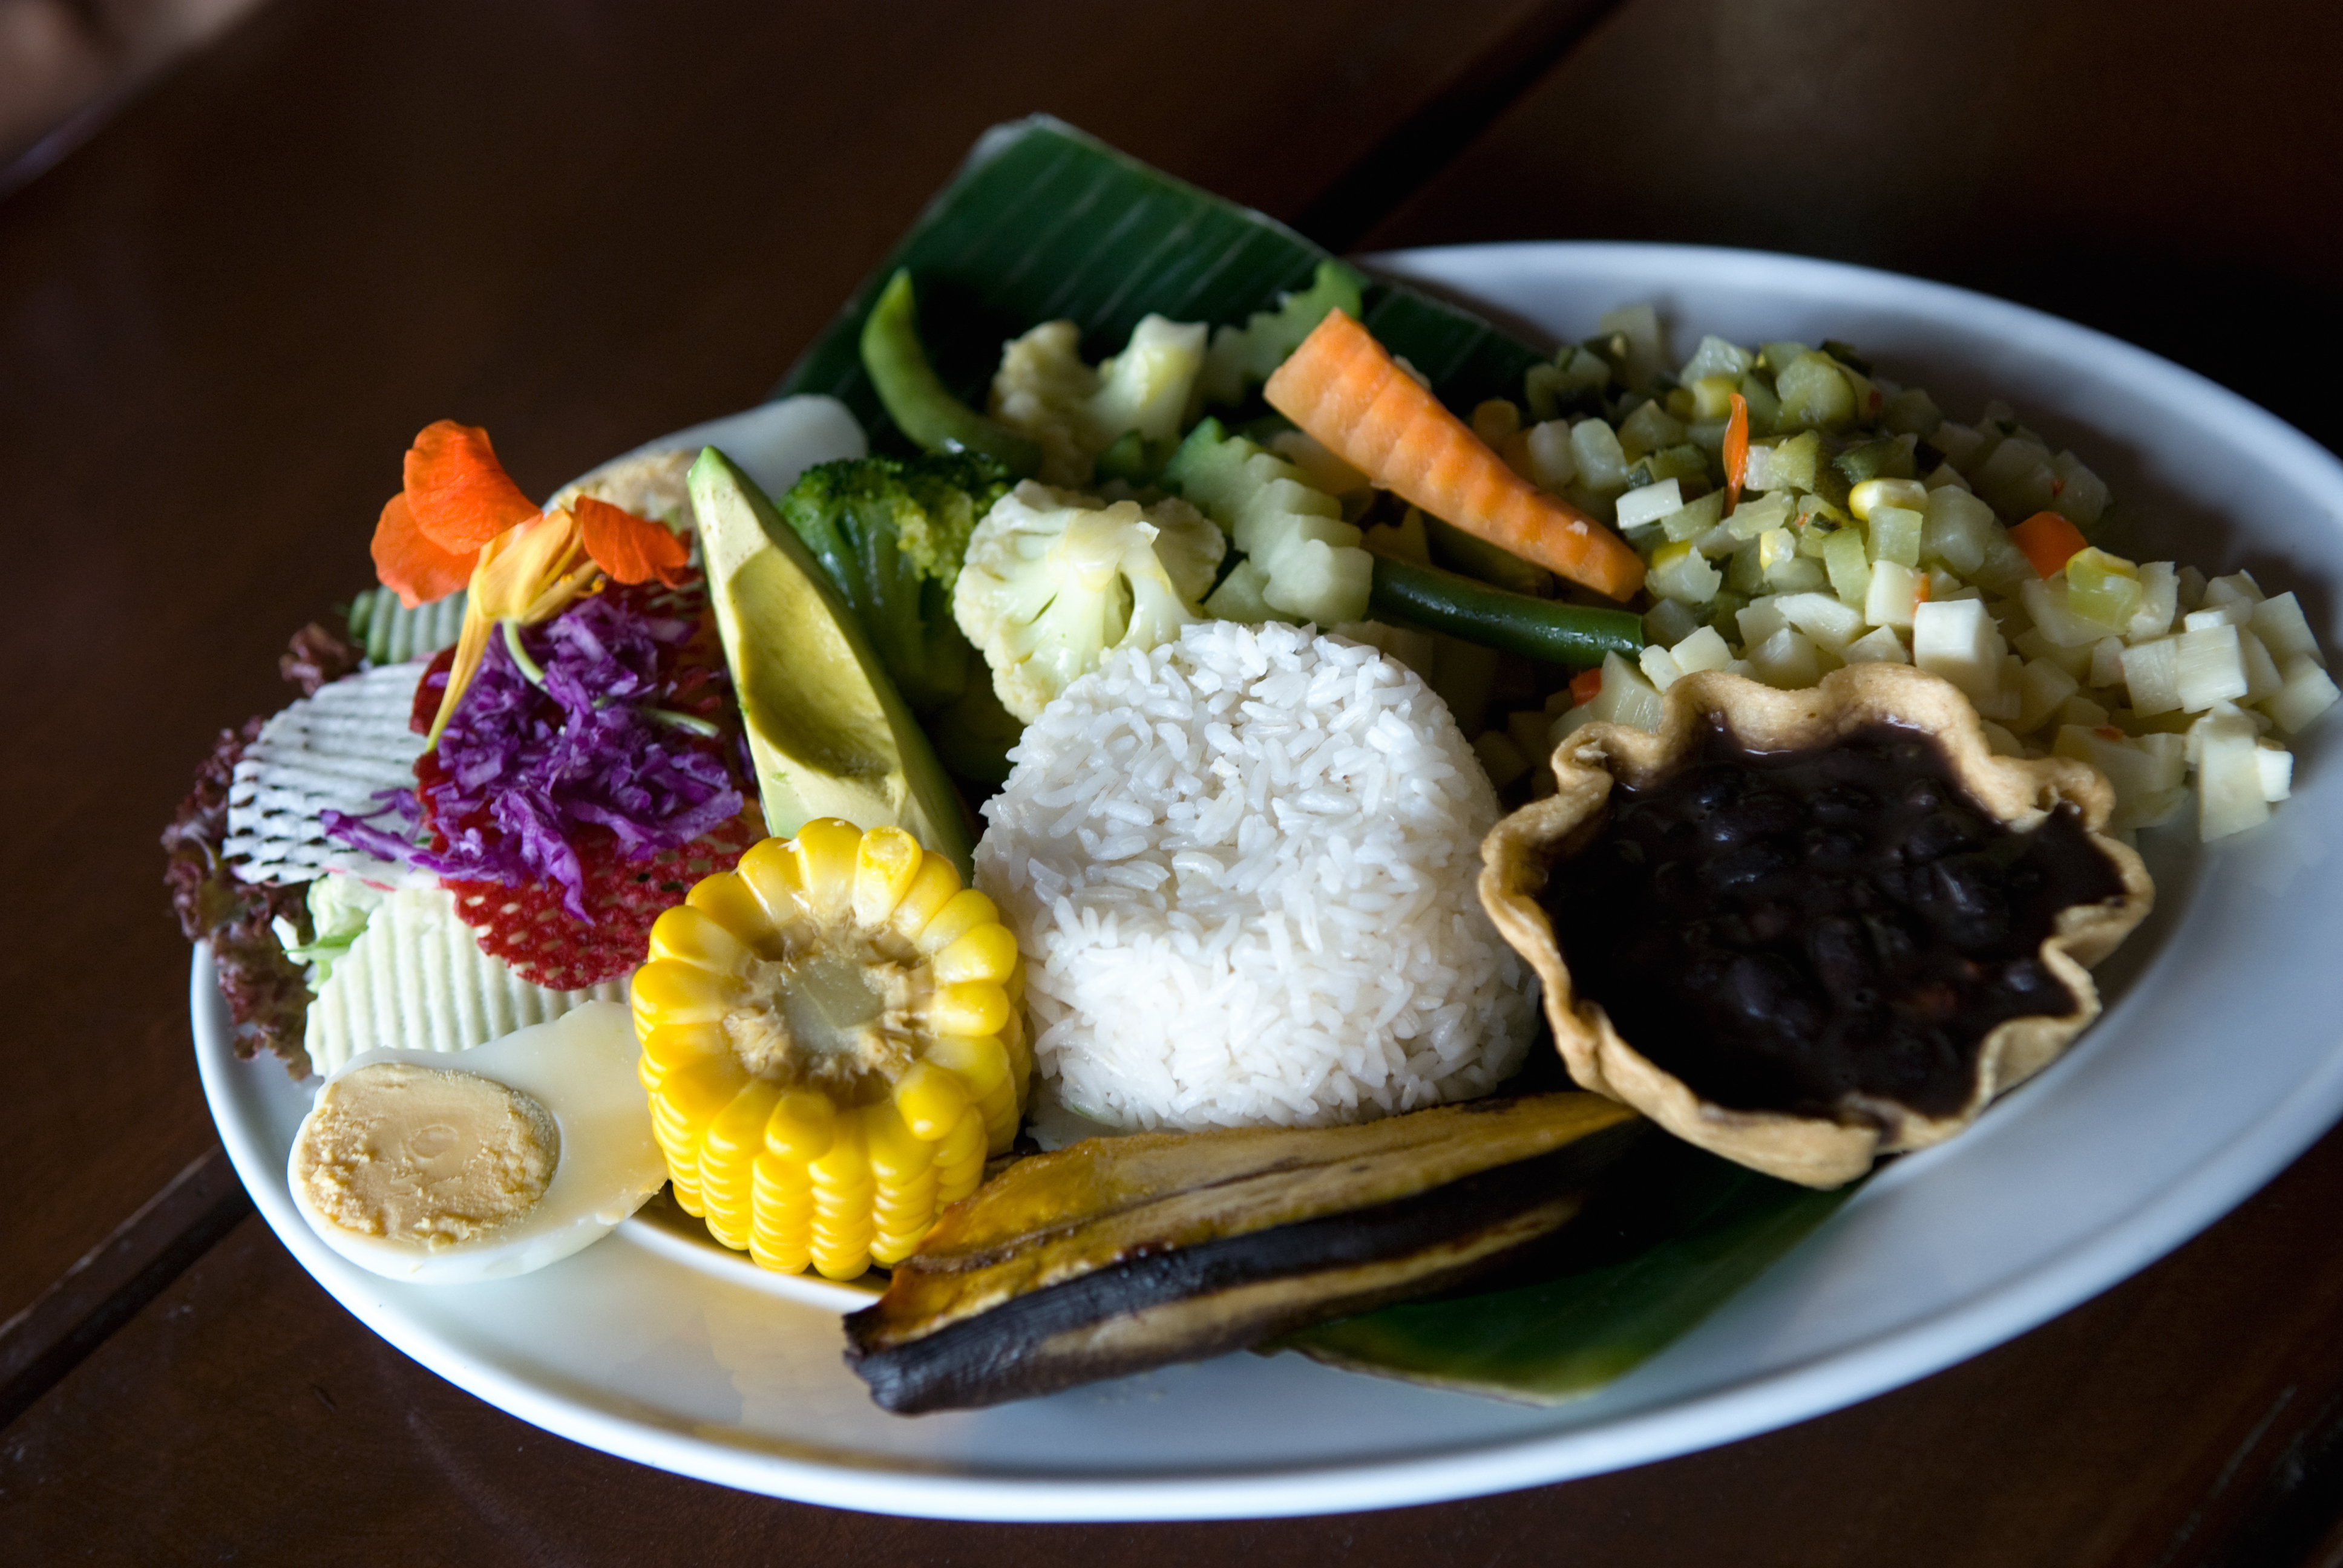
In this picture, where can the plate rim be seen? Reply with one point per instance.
(2165, 1218)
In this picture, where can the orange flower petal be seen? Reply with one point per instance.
(630, 549)
(409, 563)
(460, 495)
(516, 567)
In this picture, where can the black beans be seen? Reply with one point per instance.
(1781, 931)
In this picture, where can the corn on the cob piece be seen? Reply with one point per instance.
(832, 1040)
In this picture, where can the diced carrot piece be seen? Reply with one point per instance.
(1345, 390)
(2049, 541)
(1585, 687)
(1736, 452)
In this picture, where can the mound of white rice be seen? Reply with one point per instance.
(1241, 867)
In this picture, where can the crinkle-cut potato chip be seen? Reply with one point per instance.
(333, 752)
(416, 979)
(1815, 1149)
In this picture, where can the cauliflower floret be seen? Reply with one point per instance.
(1038, 392)
(1043, 391)
(1052, 580)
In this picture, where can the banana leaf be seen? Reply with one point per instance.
(1665, 1242)
(1044, 222)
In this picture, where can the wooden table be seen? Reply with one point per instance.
(579, 224)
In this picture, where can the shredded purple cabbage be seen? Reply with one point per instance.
(522, 769)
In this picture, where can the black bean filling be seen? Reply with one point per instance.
(1781, 929)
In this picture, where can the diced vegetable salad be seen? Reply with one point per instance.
(1869, 526)
(1785, 511)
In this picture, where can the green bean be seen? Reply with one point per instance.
(1560, 633)
(916, 396)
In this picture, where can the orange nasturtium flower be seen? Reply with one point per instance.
(460, 521)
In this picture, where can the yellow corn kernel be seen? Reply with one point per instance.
(728, 1157)
(907, 1206)
(955, 1180)
(846, 1160)
(963, 1143)
(1020, 1049)
(670, 991)
(972, 1006)
(774, 878)
(967, 909)
(826, 851)
(929, 1099)
(888, 1251)
(803, 1125)
(781, 1257)
(667, 1047)
(693, 1095)
(736, 1135)
(727, 898)
(980, 1061)
(694, 936)
(986, 953)
(780, 1232)
(999, 1110)
(841, 1261)
(896, 1154)
(885, 866)
(930, 890)
(841, 1234)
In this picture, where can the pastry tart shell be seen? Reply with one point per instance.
(1816, 1150)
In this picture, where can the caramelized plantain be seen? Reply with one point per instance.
(1117, 1255)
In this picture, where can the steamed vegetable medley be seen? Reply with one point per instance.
(1870, 527)
(1248, 640)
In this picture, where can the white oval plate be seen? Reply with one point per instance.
(2220, 1060)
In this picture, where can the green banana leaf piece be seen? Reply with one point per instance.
(1662, 1244)
(1044, 222)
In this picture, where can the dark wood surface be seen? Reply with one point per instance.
(581, 225)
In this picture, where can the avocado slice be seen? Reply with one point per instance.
(829, 733)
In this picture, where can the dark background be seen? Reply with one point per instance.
(226, 309)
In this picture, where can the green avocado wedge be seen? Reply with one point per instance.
(827, 732)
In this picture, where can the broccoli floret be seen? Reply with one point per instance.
(1045, 393)
(1052, 580)
(891, 533)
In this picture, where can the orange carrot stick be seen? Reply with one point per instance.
(1344, 390)
(1736, 452)
(2049, 541)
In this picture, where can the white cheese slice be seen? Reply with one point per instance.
(416, 979)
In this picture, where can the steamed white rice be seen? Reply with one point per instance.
(1241, 866)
